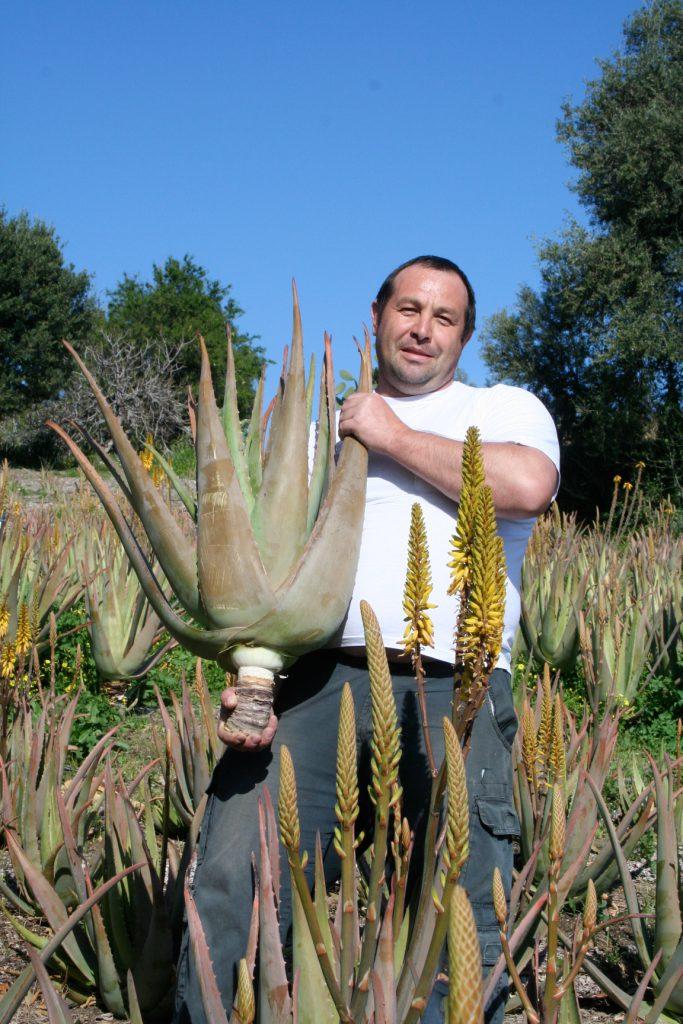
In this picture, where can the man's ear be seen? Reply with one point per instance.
(375, 316)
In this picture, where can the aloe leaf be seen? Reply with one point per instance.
(320, 472)
(254, 440)
(178, 486)
(630, 893)
(314, 1004)
(175, 553)
(669, 989)
(133, 1004)
(211, 997)
(107, 975)
(232, 428)
(234, 587)
(281, 509)
(57, 1010)
(667, 933)
(383, 977)
(275, 1003)
(106, 458)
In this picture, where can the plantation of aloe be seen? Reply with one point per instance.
(162, 589)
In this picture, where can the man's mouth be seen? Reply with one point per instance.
(417, 354)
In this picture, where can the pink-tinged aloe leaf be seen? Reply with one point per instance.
(57, 1010)
(10, 1002)
(630, 893)
(175, 553)
(272, 838)
(516, 939)
(104, 455)
(107, 975)
(669, 990)
(232, 427)
(233, 583)
(668, 923)
(273, 988)
(207, 644)
(87, 768)
(383, 977)
(281, 509)
(211, 997)
(634, 1013)
(252, 941)
(50, 904)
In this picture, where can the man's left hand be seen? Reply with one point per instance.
(368, 418)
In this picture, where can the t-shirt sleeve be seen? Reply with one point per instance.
(515, 415)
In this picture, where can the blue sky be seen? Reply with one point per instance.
(328, 142)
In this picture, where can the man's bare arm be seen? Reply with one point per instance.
(523, 479)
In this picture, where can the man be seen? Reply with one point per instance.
(413, 425)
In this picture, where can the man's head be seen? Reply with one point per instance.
(423, 316)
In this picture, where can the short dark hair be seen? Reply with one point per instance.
(434, 263)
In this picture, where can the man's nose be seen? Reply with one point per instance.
(421, 329)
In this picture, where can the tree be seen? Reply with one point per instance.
(42, 300)
(178, 303)
(601, 341)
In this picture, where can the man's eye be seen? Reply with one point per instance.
(445, 320)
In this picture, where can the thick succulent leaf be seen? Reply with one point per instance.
(175, 552)
(234, 587)
(323, 461)
(254, 439)
(668, 922)
(670, 987)
(108, 982)
(383, 979)
(314, 1004)
(232, 428)
(57, 1010)
(211, 997)
(134, 1012)
(281, 511)
(275, 1005)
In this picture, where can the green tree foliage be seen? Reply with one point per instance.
(42, 300)
(601, 341)
(179, 302)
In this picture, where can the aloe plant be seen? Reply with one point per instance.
(137, 926)
(550, 749)
(124, 631)
(187, 731)
(268, 570)
(664, 938)
(37, 799)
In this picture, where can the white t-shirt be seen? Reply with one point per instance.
(502, 413)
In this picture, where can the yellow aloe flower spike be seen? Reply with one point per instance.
(419, 631)
(23, 640)
(146, 457)
(472, 482)
(482, 627)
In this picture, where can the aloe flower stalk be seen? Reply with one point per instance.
(267, 573)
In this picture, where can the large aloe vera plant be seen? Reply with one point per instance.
(267, 568)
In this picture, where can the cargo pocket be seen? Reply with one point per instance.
(502, 707)
(498, 817)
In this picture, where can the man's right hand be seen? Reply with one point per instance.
(240, 740)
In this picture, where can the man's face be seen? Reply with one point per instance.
(419, 336)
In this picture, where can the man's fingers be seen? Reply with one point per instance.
(228, 699)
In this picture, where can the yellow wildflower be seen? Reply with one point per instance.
(418, 587)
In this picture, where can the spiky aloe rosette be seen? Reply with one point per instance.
(267, 573)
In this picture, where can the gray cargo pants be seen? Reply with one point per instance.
(308, 706)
